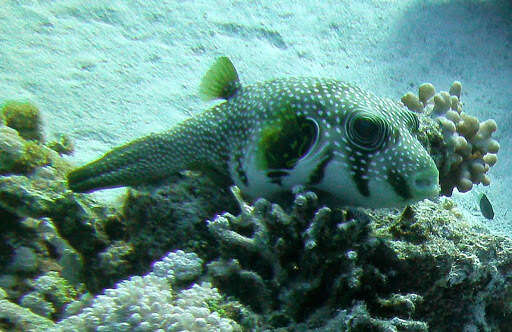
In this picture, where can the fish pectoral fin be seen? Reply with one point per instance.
(220, 81)
(285, 140)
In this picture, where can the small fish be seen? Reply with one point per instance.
(352, 147)
(486, 207)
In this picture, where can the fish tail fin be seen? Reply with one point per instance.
(142, 161)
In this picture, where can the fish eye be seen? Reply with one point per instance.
(366, 131)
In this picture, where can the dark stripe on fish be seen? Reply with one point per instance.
(399, 185)
(318, 173)
(277, 177)
(240, 171)
(360, 170)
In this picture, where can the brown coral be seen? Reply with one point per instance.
(467, 150)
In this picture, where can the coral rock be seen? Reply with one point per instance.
(467, 150)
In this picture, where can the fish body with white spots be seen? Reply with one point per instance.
(352, 147)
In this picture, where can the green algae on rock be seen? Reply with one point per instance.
(24, 117)
(11, 148)
(22, 156)
(16, 318)
(22, 148)
(62, 144)
(45, 229)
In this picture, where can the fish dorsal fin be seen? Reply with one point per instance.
(220, 81)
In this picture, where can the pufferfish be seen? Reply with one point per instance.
(348, 145)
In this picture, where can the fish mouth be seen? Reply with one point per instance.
(425, 184)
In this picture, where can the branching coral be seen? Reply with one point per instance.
(293, 264)
(179, 267)
(313, 267)
(466, 150)
(147, 303)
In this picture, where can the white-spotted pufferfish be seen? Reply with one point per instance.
(350, 146)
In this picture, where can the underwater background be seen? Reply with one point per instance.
(105, 73)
